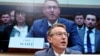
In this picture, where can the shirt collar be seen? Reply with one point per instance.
(16, 27)
(49, 24)
(56, 54)
(81, 27)
(93, 30)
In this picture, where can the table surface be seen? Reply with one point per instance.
(16, 54)
(19, 52)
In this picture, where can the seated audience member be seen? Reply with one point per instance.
(20, 29)
(58, 39)
(51, 11)
(17, 29)
(12, 16)
(5, 17)
(5, 21)
(79, 20)
(90, 35)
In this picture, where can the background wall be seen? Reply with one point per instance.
(68, 7)
(65, 3)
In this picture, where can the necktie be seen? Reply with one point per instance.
(89, 48)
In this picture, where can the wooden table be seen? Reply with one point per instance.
(22, 50)
(19, 52)
(16, 54)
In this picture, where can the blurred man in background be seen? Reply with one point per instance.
(51, 11)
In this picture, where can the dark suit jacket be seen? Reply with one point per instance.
(40, 27)
(97, 39)
(50, 52)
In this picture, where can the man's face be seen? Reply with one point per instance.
(20, 17)
(5, 18)
(79, 19)
(51, 10)
(90, 21)
(59, 38)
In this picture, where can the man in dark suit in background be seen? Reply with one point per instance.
(79, 20)
(51, 11)
(5, 21)
(58, 39)
(90, 35)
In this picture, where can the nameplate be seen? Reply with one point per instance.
(33, 43)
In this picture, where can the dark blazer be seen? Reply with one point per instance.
(50, 52)
(97, 39)
(40, 27)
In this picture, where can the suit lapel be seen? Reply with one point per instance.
(97, 33)
(44, 28)
(50, 52)
(60, 20)
(44, 25)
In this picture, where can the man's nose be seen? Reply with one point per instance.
(20, 15)
(90, 21)
(52, 9)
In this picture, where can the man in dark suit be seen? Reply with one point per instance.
(51, 11)
(94, 35)
(79, 20)
(58, 39)
(5, 20)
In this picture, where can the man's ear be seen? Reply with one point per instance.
(49, 39)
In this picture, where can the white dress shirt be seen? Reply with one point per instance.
(92, 40)
(49, 24)
(56, 54)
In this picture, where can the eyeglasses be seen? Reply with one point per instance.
(60, 34)
(54, 7)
